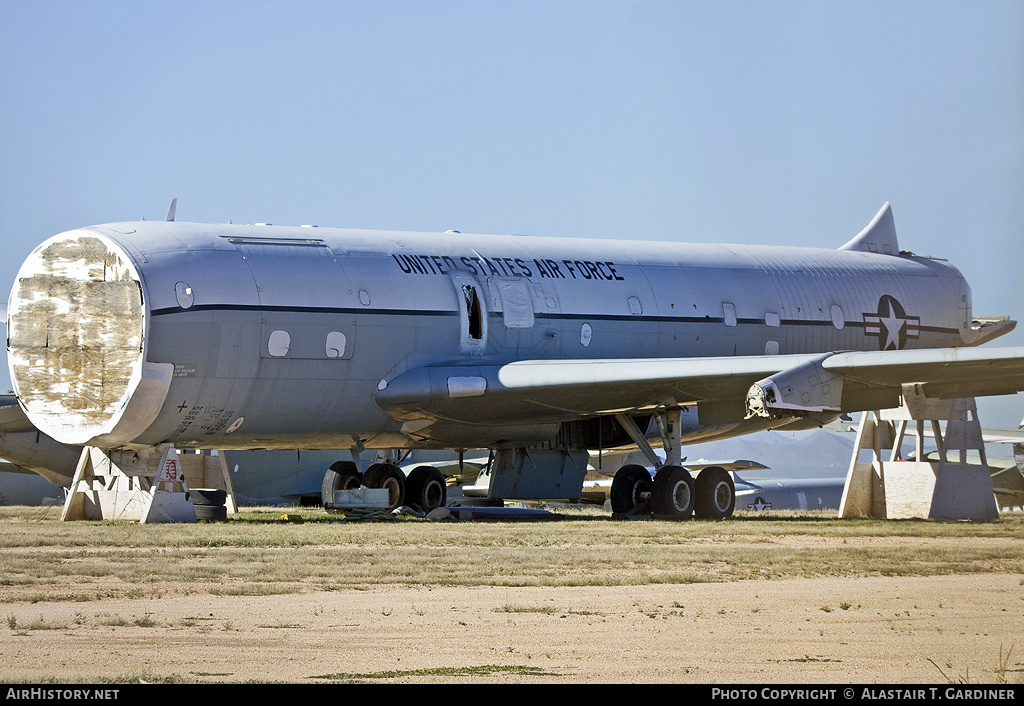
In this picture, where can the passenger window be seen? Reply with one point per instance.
(730, 313)
(335, 347)
(279, 343)
(586, 335)
(838, 318)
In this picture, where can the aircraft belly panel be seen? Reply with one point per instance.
(265, 412)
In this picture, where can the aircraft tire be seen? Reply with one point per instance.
(715, 494)
(629, 485)
(672, 495)
(342, 475)
(389, 476)
(425, 488)
(210, 513)
(211, 497)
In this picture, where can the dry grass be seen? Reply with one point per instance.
(584, 599)
(256, 553)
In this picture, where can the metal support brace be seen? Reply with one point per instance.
(355, 450)
(670, 426)
(638, 438)
(671, 435)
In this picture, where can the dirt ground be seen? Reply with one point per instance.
(849, 630)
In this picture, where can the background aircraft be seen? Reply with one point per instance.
(764, 494)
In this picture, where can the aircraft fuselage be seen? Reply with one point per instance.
(235, 336)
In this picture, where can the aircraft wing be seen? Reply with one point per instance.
(733, 466)
(8, 467)
(12, 416)
(1009, 482)
(1003, 436)
(725, 389)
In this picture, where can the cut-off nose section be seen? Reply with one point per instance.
(76, 328)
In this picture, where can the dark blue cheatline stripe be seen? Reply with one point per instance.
(549, 316)
(301, 310)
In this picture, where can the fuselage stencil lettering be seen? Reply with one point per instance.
(594, 270)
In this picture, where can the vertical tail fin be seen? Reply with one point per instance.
(879, 236)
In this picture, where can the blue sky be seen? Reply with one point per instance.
(748, 122)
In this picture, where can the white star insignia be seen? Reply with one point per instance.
(893, 326)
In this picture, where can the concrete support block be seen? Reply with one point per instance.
(880, 483)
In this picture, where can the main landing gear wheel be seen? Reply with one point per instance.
(342, 475)
(425, 488)
(631, 488)
(389, 476)
(715, 494)
(672, 496)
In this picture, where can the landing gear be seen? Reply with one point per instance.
(715, 494)
(342, 475)
(673, 493)
(425, 487)
(631, 490)
(389, 476)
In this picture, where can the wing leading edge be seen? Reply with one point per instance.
(723, 388)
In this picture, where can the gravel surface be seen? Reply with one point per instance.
(842, 630)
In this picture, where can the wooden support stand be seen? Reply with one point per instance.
(146, 486)
(209, 470)
(889, 487)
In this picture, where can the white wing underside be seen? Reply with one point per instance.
(541, 391)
